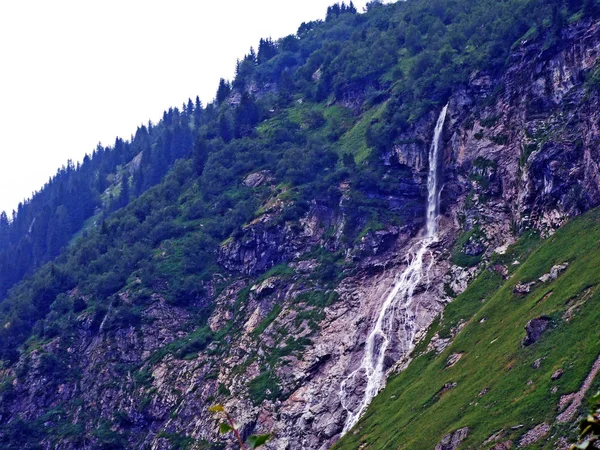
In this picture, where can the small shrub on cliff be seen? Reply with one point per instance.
(590, 428)
(264, 387)
(228, 426)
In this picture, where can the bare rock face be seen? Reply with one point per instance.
(377, 242)
(256, 179)
(267, 242)
(534, 330)
(458, 278)
(534, 435)
(523, 288)
(453, 440)
(453, 359)
(555, 271)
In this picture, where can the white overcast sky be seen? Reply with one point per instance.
(75, 73)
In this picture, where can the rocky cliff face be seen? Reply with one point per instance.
(520, 152)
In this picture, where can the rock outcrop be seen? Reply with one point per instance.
(453, 440)
(534, 330)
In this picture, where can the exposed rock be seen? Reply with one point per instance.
(498, 435)
(523, 288)
(534, 435)
(537, 363)
(305, 266)
(453, 359)
(474, 247)
(266, 287)
(376, 242)
(574, 400)
(453, 440)
(555, 271)
(562, 444)
(557, 374)
(448, 386)
(458, 278)
(266, 241)
(534, 330)
(506, 445)
(256, 179)
(501, 270)
(438, 344)
(501, 250)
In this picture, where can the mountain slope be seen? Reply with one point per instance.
(80, 196)
(501, 387)
(251, 273)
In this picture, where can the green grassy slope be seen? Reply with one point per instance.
(414, 411)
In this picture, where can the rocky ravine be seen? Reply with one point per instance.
(520, 151)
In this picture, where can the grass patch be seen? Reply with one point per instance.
(459, 257)
(264, 387)
(354, 140)
(268, 320)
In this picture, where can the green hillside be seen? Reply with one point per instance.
(497, 384)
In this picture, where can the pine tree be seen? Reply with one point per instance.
(200, 155)
(197, 112)
(4, 230)
(225, 130)
(59, 231)
(124, 194)
(138, 182)
(246, 116)
(251, 56)
(223, 91)
(266, 50)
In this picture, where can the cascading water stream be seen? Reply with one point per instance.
(398, 302)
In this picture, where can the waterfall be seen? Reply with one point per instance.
(433, 192)
(397, 304)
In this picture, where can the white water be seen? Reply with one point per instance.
(433, 191)
(397, 304)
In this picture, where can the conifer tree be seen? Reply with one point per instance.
(197, 112)
(124, 194)
(223, 91)
(4, 230)
(266, 50)
(200, 155)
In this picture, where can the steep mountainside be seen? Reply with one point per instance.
(303, 217)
